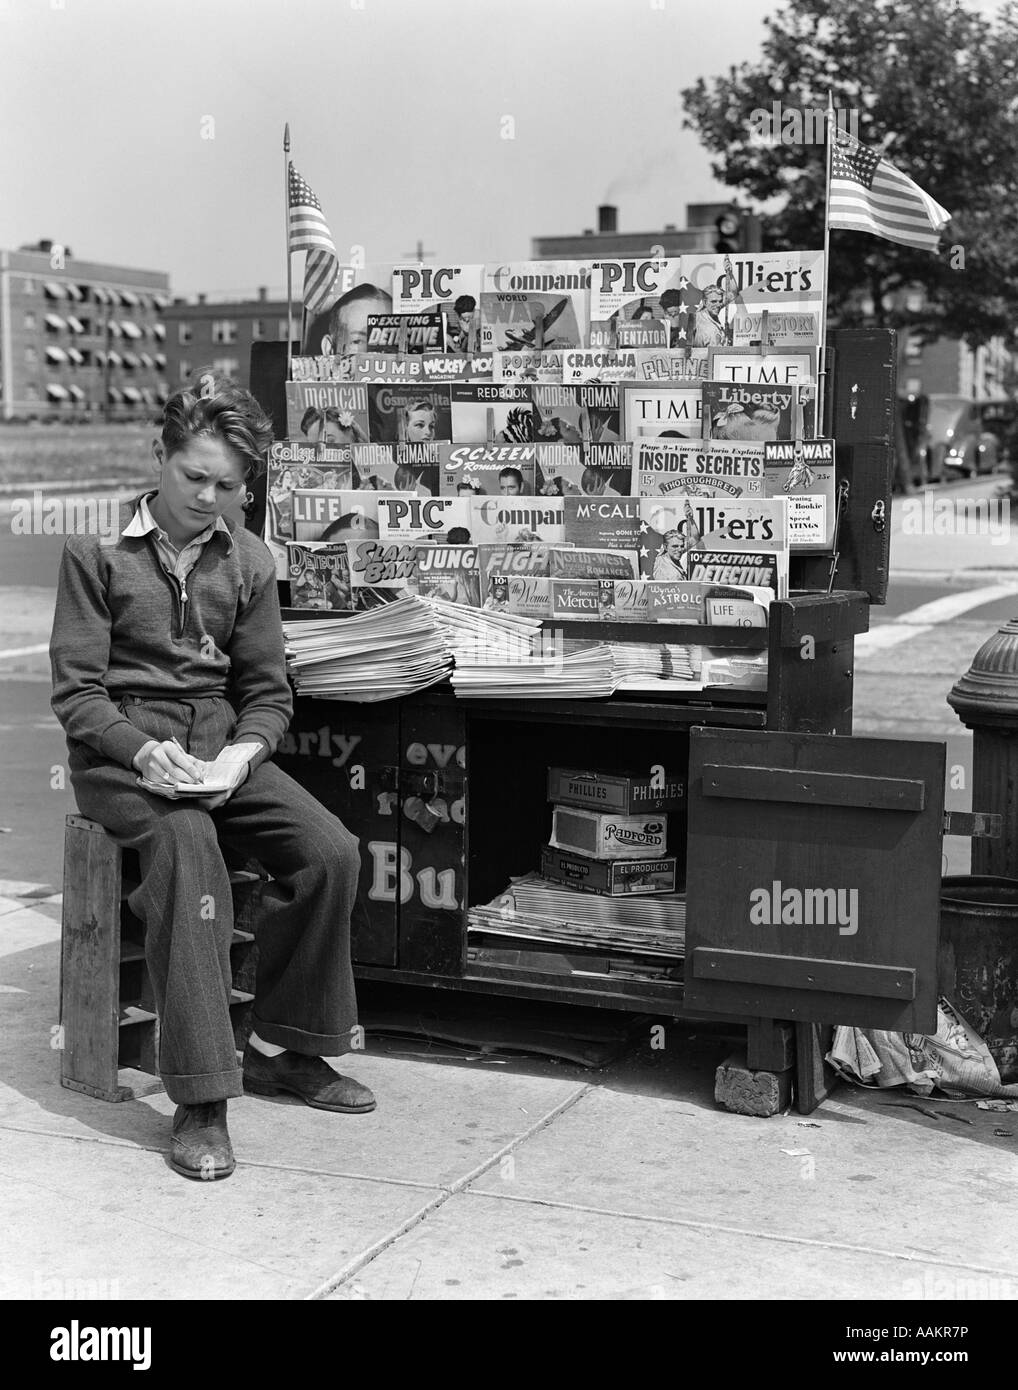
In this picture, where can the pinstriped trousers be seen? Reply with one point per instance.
(304, 995)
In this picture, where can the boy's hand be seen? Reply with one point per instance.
(165, 764)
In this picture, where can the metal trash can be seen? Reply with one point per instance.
(977, 961)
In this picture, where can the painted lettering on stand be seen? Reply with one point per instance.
(393, 873)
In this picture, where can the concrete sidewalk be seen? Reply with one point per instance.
(493, 1178)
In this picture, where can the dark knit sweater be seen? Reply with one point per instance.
(124, 625)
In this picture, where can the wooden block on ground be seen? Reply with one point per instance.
(746, 1092)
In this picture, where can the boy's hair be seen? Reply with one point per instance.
(211, 404)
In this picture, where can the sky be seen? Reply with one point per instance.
(148, 133)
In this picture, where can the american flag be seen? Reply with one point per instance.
(308, 232)
(869, 195)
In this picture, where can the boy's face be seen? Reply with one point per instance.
(197, 484)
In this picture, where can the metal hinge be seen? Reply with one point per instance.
(976, 825)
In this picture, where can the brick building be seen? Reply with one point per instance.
(80, 340)
(220, 333)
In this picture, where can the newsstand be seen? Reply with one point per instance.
(783, 802)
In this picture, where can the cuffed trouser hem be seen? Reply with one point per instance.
(308, 1044)
(211, 1085)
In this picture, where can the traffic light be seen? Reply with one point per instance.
(736, 231)
(728, 226)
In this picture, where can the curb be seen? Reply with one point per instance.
(971, 574)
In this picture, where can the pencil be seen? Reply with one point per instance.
(175, 740)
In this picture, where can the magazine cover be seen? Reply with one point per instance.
(515, 593)
(571, 562)
(522, 558)
(398, 467)
(605, 365)
(628, 293)
(486, 470)
(502, 414)
(782, 329)
(699, 468)
(342, 327)
(676, 526)
(672, 364)
(451, 572)
(575, 599)
(319, 576)
(406, 333)
(609, 470)
(780, 367)
(326, 412)
(539, 306)
(414, 414)
(624, 600)
(406, 520)
(600, 404)
(758, 569)
(612, 523)
(733, 410)
(325, 514)
(642, 334)
(379, 367)
(804, 473)
(290, 465)
(376, 564)
(662, 410)
(506, 519)
(543, 367)
(717, 605)
(453, 290)
(560, 469)
(720, 289)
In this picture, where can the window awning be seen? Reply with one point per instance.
(77, 392)
(146, 359)
(100, 294)
(131, 359)
(159, 329)
(115, 395)
(53, 290)
(114, 358)
(160, 360)
(55, 354)
(57, 393)
(75, 355)
(114, 328)
(163, 394)
(73, 292)
(131, 330)
(129, 297)
(75, 323)
(100, 358)
(163, 301)
(55, 321)
(132, 393)
(114, 297)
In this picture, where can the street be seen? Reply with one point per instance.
(905, 668)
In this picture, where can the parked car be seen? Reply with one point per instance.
(957, 440)
(1000, 418)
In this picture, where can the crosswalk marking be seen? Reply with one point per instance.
(929, 615)
(24, 651)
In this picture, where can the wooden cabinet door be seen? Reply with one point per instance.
(813, 878)
(346, 755)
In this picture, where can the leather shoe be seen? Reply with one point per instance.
(311, 1079)
(201, 1146)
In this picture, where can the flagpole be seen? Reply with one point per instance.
(289, 255)
(821, 357)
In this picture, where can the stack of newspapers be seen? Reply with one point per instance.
(534, 915)
(655, 665)
(389, 651)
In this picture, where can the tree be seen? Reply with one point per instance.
(934, 89)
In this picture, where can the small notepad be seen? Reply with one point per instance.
(221, 775)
